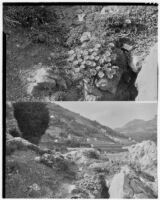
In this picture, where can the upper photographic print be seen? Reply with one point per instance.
(80, 52)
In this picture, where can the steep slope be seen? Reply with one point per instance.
(65, 128)
(140, 129)
(65, 124)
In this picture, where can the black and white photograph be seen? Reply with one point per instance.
(81, 52)
(80, 100)
(81, 150)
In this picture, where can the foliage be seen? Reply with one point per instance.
(94, 42)
(21, 174)
(124, 21)
(93, 60)
(28, 16)
(42, 21)
(74, 35)
(92, 154)
(32, 118)
(76, 143)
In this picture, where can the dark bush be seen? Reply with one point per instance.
(92, 154)
(32, 118)
(42, 21)
(28, 16)
(76, 143)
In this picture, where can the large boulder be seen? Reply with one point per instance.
(42, 81)
(147, 80)
(85, 37)
(109, 168)
(83, 156)
(144, 154)
(39, 75)
(128, 184)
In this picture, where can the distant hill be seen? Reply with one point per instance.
(77, 125)
(63, 126)
(140, 130)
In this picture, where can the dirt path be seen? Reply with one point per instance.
(116, 188)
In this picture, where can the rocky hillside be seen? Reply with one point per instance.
(140, 129)
(54, 153)
(77, 52)
(32, 172)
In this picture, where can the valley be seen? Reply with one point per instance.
(74, 157)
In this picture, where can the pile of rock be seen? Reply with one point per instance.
(42, 80)
(143, 160)
(83, 156)
(109, 168)
(54, 160)
(89, 183)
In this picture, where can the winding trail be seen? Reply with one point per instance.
(116, 188)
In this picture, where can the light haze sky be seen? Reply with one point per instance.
(112, 114)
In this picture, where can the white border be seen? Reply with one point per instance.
(83, 1)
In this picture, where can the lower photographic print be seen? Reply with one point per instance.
(80, 150)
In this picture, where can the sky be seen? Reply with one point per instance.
(112, 114)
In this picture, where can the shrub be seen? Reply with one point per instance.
(92, 154)
(43, 22)
(32, 118)
(28, 16)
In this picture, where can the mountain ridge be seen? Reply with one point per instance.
(140, 129)
(65, 114)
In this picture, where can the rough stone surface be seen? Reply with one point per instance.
(145, 155)
(147, 79)
(83, 156)
(127, 184)
(85, 37)
(39, 75)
